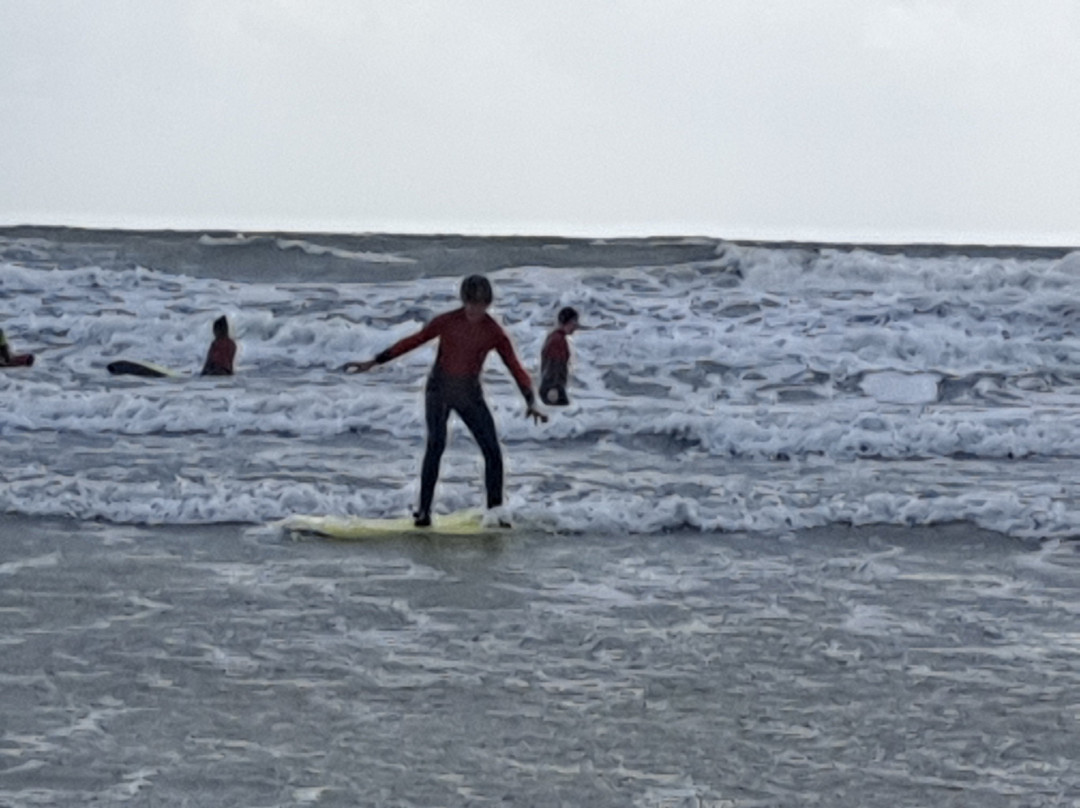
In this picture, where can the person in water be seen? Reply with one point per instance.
(219, 359)
(5, 351)
(555, 359)
(8, 359)
(466, 335)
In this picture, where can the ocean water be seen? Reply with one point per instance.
(718, 387)
(804, 535)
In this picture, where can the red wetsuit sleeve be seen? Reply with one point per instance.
(509, 358)
(425, 334)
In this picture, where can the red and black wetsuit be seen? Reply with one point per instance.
(555, 368)
(219, 359)
(454, 384)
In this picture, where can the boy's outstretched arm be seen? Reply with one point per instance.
(359, 367)
(428, 332)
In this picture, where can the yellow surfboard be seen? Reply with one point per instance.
(459, 523)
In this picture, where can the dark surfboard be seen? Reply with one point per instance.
(131, 367)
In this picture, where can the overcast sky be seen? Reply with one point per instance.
(872, 120)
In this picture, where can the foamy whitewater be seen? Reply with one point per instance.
(718, 387)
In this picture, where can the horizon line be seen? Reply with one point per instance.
(763, 237)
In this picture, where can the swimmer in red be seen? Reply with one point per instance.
(466, 336)
(555, 359)
(219, 359)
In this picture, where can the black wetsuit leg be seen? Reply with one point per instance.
(553, 380)
(477, 417)
(436, 412)
(466, 397)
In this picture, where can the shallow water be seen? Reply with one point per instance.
(228, 665)
(717, 386)
(802, 538)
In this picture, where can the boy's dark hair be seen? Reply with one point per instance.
(567, 314)
(476, 289)
(221, 326)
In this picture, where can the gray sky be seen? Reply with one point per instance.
(878, 120)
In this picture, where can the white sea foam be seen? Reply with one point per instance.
(801, 359)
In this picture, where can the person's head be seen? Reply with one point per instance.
(221, 327)
(476, 294)
(568, 319)
(476, 289)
